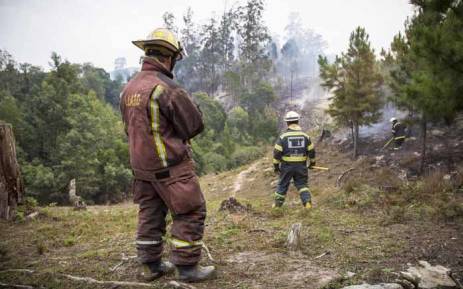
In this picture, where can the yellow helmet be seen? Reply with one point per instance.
(164, 38)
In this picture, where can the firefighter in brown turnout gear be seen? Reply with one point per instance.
(398, 133)
(290, 155)
(160, 118)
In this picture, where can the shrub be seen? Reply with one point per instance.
(214, 162)
(244, 155)
(28, 206)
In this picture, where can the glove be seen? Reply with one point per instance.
(276, 168)
(312, 163)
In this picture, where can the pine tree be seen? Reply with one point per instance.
(426, 65)
(355, 81)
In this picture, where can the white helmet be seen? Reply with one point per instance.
(393, 119)
(292, 116)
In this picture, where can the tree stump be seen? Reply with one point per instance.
(293, 243)
(76, 200)
(11, 185)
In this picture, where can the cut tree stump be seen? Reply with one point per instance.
(293, 243)
(11, 185)
(74, 199)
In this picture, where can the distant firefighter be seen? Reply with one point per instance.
(292, 150)
(398, 133)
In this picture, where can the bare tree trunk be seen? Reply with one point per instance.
(423, 144)
(352, 131)
(356, 139)
(11, 186)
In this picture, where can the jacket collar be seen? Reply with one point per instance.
(152, 64)
(294, 127)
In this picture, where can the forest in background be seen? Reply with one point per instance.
(67, 123)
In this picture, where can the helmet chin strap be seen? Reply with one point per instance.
(173, 61)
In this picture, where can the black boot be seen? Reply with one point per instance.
(195, 273)
(155, 270)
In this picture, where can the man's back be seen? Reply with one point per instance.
(159, 117)
(293, 145)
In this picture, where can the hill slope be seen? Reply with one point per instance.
(365, 227)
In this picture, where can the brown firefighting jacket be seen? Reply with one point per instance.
(159, 117)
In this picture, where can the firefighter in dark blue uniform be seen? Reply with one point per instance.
(292, 150)
(398, 133)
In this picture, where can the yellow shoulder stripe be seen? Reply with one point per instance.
(294, 133)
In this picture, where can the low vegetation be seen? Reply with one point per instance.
(357, 228)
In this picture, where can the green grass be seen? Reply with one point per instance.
(356, 227)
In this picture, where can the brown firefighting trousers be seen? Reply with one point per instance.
(175, 189)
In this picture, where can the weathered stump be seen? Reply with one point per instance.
(11, 185)
(293, 243)
(74, 199)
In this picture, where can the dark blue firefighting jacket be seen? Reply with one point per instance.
(293, 146)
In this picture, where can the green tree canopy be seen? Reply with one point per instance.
(354, 80)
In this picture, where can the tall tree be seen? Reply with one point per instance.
(355, 81)
(169, 21)
(210, 57)
(227, 28)
(255, 39)
(186, 71)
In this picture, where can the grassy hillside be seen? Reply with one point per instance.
(366, 227)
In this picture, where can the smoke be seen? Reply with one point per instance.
(313, 95)
(383, 127)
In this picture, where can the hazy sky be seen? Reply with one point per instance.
(98, 31)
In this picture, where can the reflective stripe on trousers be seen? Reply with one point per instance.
(145, 242)
(184, 244)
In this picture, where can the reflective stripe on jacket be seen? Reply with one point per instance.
(293, 146)
(398, 130)
(159, 117)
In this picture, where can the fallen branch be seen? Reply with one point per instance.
(17, 271)
(339, 180)
(258, 231)
(123, 260)
(90, 280)
(3, 285)
(208, 253)
(180, 285)
(87, 280)
(323, 254)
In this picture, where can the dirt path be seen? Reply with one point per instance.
(241, 178)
